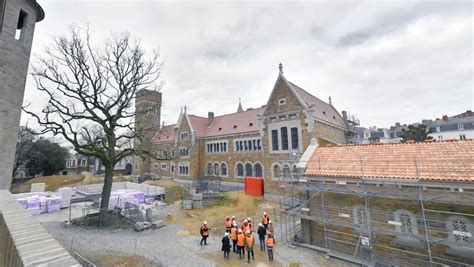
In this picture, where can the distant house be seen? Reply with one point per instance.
(78, 163)
(458, 127)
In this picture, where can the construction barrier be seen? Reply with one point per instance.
(254, 186)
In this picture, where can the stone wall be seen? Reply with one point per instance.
(24, 242)
(14, 60)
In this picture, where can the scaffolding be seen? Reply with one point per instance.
(382, 221)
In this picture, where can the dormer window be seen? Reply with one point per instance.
(460, 126)
(334, 117)
(220, 129)
(282, 102)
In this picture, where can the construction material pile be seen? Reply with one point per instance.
(41, 204)
(119, 197)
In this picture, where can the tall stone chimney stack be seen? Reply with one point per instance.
(210, 118)
(17, 26)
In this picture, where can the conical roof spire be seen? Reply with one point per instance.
(240, 109)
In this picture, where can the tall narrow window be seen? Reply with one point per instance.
(216, 169)
(223, 169)
(284, 138)
(362, 217)
(460, 230)
(21, 25)
(274, 139)
(248, 170)
(240, 170)
(294, 138)
(258, 170)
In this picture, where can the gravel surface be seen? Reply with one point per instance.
(166, 244)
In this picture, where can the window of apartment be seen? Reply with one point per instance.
(284, 138)
(21, 25)
(294, 138)
(440, 138)
(172, 167)
(239, 170)
(282, 102)
(183, 169)
(248, 144)
(275, 140)
(184, 135)
(184, 152)
(438, 129)
(223, 169)
(258, 170)
(460, 126)
(462, 137)
(164, 166)
(83, 162)
(216, 146)
(248, 170)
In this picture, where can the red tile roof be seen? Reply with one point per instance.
(443, 161)
(234, 123)
(165, 134)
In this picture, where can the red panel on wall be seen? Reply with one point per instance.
(254, 186)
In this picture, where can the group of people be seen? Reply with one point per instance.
(240, 238)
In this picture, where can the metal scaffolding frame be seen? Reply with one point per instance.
(300, 193)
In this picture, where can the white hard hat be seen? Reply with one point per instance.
(233, 216)
(260, 224)
(249, 219)
(226, 233)
(245, 220)
(270, 221)
(205, 222)
(240, 230)
(264, 213)
(235, 225)
(248, 231)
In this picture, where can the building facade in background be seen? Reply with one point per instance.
(458, 127)
(17, 25)
(264, 142)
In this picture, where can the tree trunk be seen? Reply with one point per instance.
(106, 190)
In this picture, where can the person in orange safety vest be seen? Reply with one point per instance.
(270, 243)
(241, 244)
(233, 237)
(204, 233)
(249, 242)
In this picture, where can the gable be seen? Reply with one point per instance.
(282, 90)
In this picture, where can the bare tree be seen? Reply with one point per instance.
(91, 91)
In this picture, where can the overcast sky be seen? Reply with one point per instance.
(385, 62)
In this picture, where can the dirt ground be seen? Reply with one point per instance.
(174, 190)
(234, 203)
(55, 182)
(106, 260)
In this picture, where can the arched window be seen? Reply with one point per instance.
(239, 170)
(216, 169)
(248, 170)
(258, 170)
(276, 171)
(209, 169)
(223, 169)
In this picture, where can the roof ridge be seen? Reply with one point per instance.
(401, 143)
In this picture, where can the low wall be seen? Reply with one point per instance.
(145, 188)
(24, 242)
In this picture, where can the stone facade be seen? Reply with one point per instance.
(17, 24)
(241, 144)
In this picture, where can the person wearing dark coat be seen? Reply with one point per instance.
(261, 236)
(226, 245)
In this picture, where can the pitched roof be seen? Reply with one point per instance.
(233, 123)
(165, 134)
(323, 111)
(442, 161)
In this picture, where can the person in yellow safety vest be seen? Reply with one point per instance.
(270, 243)
(249, 242)
(241, 244)
(204, 233)
(228, 224)
(265, 220)
(233, 237)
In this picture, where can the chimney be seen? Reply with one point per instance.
(344, 115)
(445, 118)
(397, 124)
(210, 118)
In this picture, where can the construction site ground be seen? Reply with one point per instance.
(176, 244)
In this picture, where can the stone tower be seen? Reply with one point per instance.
(147, 121)
(17, 25)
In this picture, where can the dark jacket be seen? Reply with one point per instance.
(226, 244)
(203, 228)
(261, 232)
